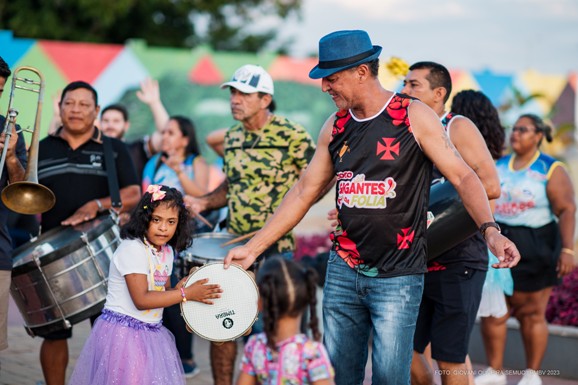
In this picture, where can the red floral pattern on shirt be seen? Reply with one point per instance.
(397, 109)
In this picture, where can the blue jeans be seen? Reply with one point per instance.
(355, 305)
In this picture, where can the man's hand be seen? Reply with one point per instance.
(195, 205)
(85, 213)
(504, 249)
(11, 151)
(241, 255)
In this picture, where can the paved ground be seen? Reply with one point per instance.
(20, 365)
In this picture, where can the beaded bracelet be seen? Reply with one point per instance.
(183, 295)
(568, 251)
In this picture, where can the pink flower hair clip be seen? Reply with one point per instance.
(156, 192)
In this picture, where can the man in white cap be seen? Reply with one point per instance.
(264, 155)
(381, 146)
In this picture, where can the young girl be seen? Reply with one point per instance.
(281, 354)
(128, 344)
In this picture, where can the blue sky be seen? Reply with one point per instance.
(501, 35)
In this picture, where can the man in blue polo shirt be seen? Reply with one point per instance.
(71, 163)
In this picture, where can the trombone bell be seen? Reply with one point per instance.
(28, 198)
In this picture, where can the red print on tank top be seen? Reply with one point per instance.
(405, 239)
(341, 118)
(397, 109)
(388, 149)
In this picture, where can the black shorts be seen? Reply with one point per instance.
(540, 249)
(64, 334)
(447, 313)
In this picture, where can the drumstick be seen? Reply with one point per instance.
(239, 239)
(201, 218)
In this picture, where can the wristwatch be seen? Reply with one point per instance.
(485, 226)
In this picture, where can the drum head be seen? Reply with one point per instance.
(230, 316)
(208, 247)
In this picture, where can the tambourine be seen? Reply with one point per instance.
(230, 316)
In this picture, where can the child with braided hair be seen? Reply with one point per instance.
(282, 354)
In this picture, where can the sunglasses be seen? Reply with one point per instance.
(522, 129)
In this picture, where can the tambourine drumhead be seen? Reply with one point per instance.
(230, 316)
(208, 247)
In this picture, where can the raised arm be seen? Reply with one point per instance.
(150, 95)
(295, 204)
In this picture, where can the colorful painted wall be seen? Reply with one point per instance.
(189, 82)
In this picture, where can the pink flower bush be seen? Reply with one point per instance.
(311, 245)
(563, 304)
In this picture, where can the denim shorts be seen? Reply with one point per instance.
(355, 305)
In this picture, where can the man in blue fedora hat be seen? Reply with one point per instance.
(380, 145)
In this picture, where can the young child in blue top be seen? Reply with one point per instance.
(128, 344)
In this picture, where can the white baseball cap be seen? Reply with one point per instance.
(250, 79)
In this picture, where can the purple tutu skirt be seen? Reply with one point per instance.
(122, 350)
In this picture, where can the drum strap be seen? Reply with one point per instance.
(111, 173)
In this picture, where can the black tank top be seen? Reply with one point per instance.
(382, 192)
(473, 252)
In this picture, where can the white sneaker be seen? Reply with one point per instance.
(491, 377)
(530, 378)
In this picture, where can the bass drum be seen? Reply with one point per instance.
(448, 220)
(60, 278)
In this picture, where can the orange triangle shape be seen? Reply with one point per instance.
(80, 61)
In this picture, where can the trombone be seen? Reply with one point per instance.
(28, 196)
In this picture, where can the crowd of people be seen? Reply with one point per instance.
(381, 150)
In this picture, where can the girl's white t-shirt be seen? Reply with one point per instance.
(132, 257)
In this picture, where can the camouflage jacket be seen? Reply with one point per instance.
(261, 166)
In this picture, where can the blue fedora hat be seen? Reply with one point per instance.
(341, 50)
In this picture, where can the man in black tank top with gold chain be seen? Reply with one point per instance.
(453, 284)
(380, 146)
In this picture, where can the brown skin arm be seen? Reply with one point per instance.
(561, 196)
(213, 200)
(149, 94)
(144, 299)
(472, 147)
(294, 206)
(198, 185)
(13, 166)
(430, 135)
(129, 196)
(216, 140)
